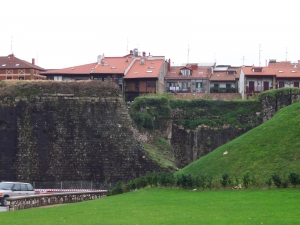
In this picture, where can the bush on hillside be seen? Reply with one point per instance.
(225, 180)
(277, 180)
(294, 178)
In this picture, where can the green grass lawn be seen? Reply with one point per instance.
(172, 206)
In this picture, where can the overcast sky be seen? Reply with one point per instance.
(61, 33)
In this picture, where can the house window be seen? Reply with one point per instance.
(184, 85)
(171, 84)
(231, 72)
(151, 84)
(228, 85)
(185, 72)
(257, 69)
(281, 84)
(57, 77)
(198, 84)
(216, 85)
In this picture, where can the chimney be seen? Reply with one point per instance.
(131, 52)
(11, 58)
(144, 54)
(169, 65)
(33, 61)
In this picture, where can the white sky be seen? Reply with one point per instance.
(62, 33)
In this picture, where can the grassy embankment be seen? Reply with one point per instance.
(273, 147)
(171, 206)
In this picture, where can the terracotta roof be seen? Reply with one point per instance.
(197, 72)
(149, 69)
(109, 65)
(285, 69)
(12, 62)
(249, 71)
(226, 74)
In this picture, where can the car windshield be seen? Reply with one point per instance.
(6, 186)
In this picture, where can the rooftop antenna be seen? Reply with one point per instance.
(259, 54)
(286, 52)
(188, 53)
(11, 41)
(243, 60)
(215, 57)
(127, 47)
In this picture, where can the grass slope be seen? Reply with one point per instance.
(271, 147)
(171, 206)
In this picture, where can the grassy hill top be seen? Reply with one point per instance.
(273, 147)
(27, 89)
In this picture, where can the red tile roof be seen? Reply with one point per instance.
(149, 69)
(197, 72)
(249, 71)
(285, 69)
(225, 74)
(12, 62)
(109, 65)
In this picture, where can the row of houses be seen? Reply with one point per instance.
(138, 74)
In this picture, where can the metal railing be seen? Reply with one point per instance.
(222, 90)
(72, 185)
(257, 89)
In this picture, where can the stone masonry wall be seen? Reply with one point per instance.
(69, 138)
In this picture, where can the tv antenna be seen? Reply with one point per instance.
(259, 53)
(11, 41)
(244, 58)
(188, 53)
(286, 53)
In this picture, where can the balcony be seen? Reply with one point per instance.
(257, 89)
(222, 90)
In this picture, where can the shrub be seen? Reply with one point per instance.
(294, 178)
(246, 180)
(285, 182)
(224, 180)
(209, 182)
(141, 182)
(203, 181)
(277, 180)
(131, 186)
(118, 189)
(269, 182)
(143, 119)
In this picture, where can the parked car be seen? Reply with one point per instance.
(14, 189)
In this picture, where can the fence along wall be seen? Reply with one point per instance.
(18, 203)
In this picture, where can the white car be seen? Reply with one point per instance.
(14, 189)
